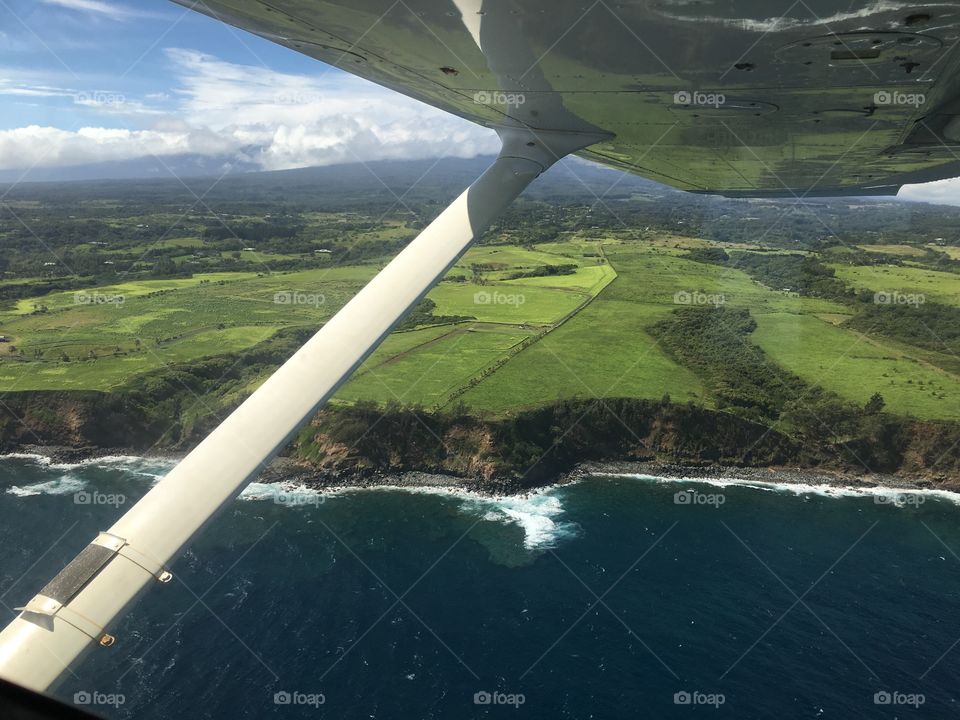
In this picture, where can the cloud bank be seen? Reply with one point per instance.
(255, 117)
(273, 120)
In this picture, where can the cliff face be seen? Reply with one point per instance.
(534, 447)
(72, 419)
(525, 450)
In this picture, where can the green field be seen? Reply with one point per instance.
(856, 366)
(935, 285)
(431, 371)
(98, 338)
(898, 250)
(504, 343)
(434, 368)
(952, 252)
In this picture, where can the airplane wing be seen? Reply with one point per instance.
(737, 97)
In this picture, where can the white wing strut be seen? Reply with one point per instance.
(73, 612)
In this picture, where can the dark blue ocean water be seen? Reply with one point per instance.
(605, 599)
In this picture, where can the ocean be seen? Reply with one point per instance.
(614, 597)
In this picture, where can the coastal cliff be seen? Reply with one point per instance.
(365, 443)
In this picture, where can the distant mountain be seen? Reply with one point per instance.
(170, 167)
(185, 178)
(400, 179)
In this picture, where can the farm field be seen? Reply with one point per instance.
(99, 337)
(518, 327)
(798, 333)
(856, 366)
(933, 284)
(952, 252)
(898, 250)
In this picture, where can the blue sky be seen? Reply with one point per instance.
(113, 47)
(86, 81)
(90, 81)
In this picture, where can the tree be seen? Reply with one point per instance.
(875, 404)
(165, 266)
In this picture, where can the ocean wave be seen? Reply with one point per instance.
(283, 493)
(897, 496)
(538, 514)
(65, 485)
(34, 457)
(152, 467)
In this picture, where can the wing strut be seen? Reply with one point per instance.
(76, 609)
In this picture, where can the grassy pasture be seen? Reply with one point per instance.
(531, 341)
(856, 366)
(939, 286)
(898, 250)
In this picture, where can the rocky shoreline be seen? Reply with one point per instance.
(792, 475)
(298, 472)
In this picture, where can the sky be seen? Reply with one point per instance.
(91, 81)
(88, 81)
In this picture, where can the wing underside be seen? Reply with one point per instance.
(833, 97)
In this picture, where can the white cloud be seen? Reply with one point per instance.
(274, 120)
(98, 7)
(103, 101)
(271, 119)
(50, 147)
(942, 192)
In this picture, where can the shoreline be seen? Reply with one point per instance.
(290, 470)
